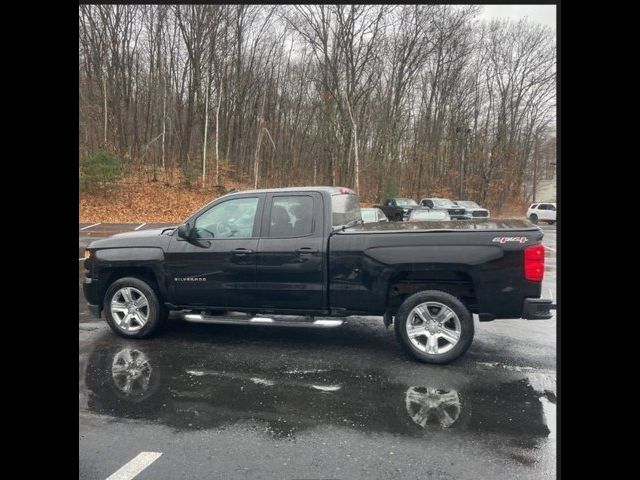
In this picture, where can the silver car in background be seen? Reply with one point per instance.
(373, 215)
(444, 204)
(473, 209)
(426, 215)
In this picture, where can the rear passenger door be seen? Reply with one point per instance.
(290, 255)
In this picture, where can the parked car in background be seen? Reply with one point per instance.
(372, 215)
(425, 214)
(397, 209)
(455, 211)
(473, 209)
(545, 212)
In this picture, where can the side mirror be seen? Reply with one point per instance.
(184, 230)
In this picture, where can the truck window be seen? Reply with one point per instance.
(291, 216)
(345, 209)
(233, 218)
(369, 215)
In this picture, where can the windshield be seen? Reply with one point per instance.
(345, 209)
(443, 202)
(405, 202)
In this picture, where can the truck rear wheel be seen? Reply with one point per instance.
(132, 308)
(434, 326)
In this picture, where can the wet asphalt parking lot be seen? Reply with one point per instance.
(226, 401)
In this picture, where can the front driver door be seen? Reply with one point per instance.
(217, 268)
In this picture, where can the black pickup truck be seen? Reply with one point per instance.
(398, 209)
(302, 257)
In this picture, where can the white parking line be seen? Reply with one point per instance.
(135, 466)
(94, 225)
(140, 226)
(552, 249)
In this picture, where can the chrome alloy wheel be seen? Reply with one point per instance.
(131, 371)
(129, 309)
(433, 328)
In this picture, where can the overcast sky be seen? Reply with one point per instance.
(545, 14)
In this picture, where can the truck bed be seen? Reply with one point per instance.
(375, 265)
(455, 225)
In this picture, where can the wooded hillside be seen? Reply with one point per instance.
(417, 100)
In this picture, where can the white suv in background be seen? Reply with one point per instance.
(545, 212)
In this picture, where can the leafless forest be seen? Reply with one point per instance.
(415, 100)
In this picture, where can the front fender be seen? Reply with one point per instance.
(150, 259)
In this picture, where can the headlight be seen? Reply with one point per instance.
(87, 254)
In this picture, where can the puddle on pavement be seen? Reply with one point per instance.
(201, 388)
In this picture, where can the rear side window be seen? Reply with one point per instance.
(534, 206)
(344, 209)
(291, 216)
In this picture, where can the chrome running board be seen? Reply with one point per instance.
(273, 320)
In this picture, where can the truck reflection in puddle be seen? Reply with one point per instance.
(191, 392)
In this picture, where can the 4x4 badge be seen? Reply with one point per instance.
(510, 239)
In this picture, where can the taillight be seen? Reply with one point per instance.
(534, 263)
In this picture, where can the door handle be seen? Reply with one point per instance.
(306, 250)
(241, 251)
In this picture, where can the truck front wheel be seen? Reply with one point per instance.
(434, 326)
(132, 308)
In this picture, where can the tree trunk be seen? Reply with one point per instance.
(256, 158)
(217, 132)
(104, 82)
(356, 160)
(204, 147)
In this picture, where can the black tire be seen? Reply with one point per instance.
(464, 315)
(534, 218)
(157, 313)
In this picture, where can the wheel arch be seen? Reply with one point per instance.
(145, 273)
(456, 282)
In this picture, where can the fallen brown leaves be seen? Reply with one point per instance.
(141, 200)
(138, 199)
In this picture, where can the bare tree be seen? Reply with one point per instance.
(416, 100)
